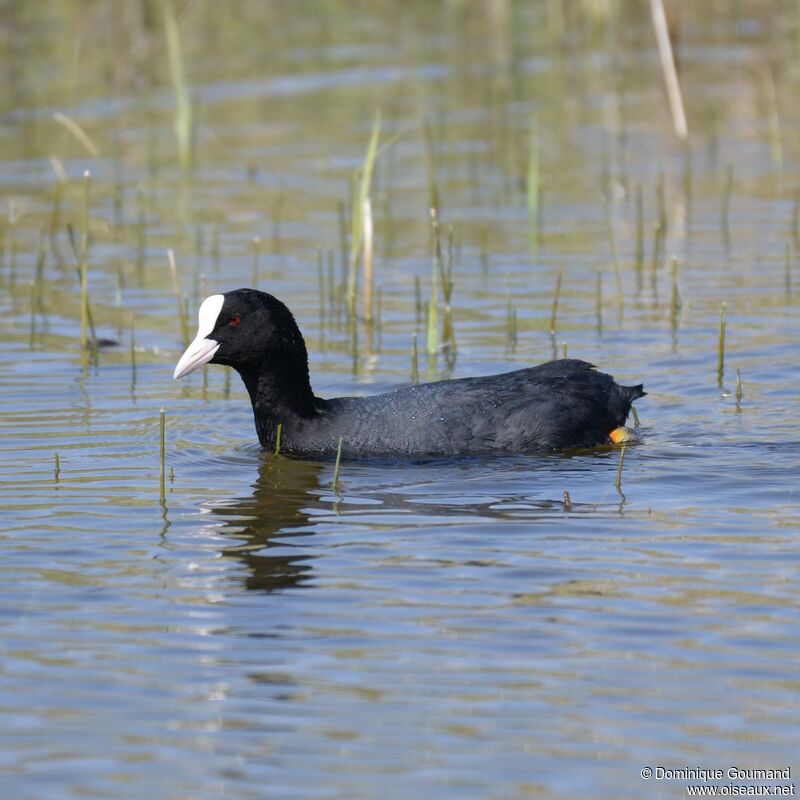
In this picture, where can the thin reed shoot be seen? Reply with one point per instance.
(618, 480)
(774, 122)
(366, 212)
(32, 333)
(84, 260)
(430, 148)
(432, 339)
(668, 69)
(183, 103)
(533, 188)
(163, 451)
(726, 204)
(338, 464)
(133, 352)
(721, 343)
(78, 132)
(739, 390)
(183, 316)
(787, 271)
(675, 298)
(639, 233)
(556, 296)
(364, 177)
(612, 241)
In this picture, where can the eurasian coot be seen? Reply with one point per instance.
(558, 405)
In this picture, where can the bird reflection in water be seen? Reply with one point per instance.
(272, 518)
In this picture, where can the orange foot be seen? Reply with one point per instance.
(624, 435)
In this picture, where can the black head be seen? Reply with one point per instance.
(248, 330)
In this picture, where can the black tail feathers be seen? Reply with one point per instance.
(634, 392)
(621, 400)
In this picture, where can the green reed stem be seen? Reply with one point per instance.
(414, 360)
(668, 69)
(433, 180)
(78, 132)
(787, 270)
(11, 241)
(33, 314)
(433, 315)
(484, 243)
(57, 467)
(55, 216)
(533, 188)
(357, 219)
(661, 201)
(338, 463)
(511, 322)
(446, 275)
(90, 320)
(331, 283)
(183, 316)
(367, 261)
(612, 240)
(214, 246)
(448, 267)
(84, 260)
(133, 352)
(162, 439)
(687, 179)
(658, 238)
(726, 203)
(278, 434)
(774, 123)
(721, 343)
(675, 298)
(618, 481)
(141, 226)
(739, 391)
(639, 230)
(41, 260)
(556, 296)
(344, 251)
(379, 313)
(183, 102)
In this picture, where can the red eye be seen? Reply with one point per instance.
(234, 321)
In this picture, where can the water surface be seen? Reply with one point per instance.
(439, 628)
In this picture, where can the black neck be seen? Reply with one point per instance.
(280, 392)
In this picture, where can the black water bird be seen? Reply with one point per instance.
(559, 405)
